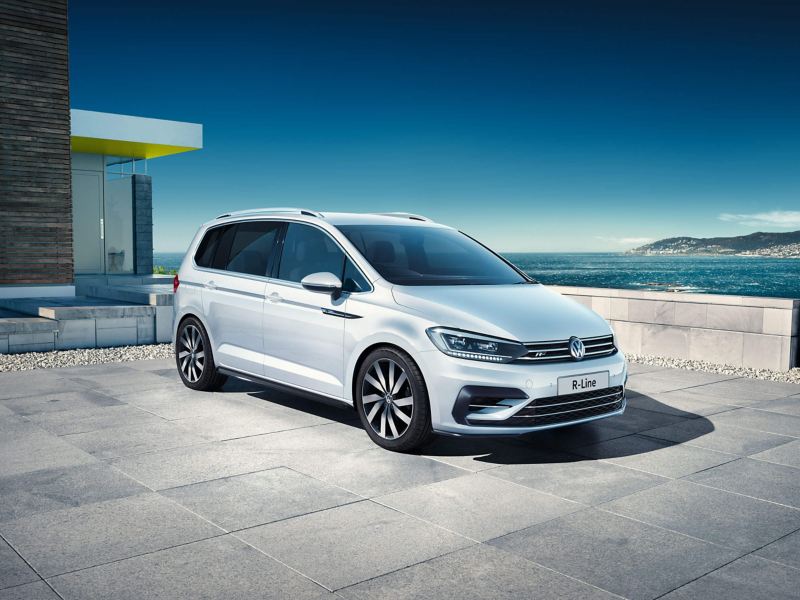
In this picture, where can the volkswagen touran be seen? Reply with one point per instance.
(419, 327)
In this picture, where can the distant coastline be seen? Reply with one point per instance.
(759, 244)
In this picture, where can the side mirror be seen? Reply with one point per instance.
(325, 283)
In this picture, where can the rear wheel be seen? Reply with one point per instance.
(194, 358)
(392, 401)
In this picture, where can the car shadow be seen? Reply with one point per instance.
(629, 434)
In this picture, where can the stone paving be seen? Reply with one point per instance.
(118, 482)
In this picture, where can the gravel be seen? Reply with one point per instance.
(96, 356)
(89, 356)
(791, 376)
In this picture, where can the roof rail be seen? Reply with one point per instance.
(279, 210)
(404, 215)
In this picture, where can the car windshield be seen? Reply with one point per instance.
(421, 255)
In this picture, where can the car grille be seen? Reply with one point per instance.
(558, 351)
(563, 409)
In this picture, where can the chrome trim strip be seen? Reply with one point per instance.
(340, 314)
(563, 412)
(533, 405)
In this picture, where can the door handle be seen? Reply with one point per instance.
(274, 297)
(210, 285)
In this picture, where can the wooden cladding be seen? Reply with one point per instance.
(35, 181)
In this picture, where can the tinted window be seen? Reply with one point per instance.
(207, 248)
(418, 255)
(352, 279)
(251, 247)
(308, 250)
(220, 260)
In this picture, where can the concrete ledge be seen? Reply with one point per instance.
(733, 330)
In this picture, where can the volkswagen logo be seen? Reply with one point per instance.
(576, 348)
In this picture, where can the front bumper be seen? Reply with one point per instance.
(447, 378)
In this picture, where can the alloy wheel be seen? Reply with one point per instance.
(387, 398)
(191, 354)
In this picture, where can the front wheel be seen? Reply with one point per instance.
(392, 401)
(194, 358)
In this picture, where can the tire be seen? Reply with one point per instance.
(399, 418)
(194, 358)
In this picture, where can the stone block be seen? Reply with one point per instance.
(662, 340)
(145, 330)
(690, 314)
(3, 344)
(619, 309)
(602, 306)
(723, 347)
(628, 336)
(164, 321)
(31, 342)
(735, 318)
(778, 321)
(764, 352)
(116, 332)
(76, 333)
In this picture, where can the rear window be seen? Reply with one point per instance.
(242, 247)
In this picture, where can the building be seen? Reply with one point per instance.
(75, 197)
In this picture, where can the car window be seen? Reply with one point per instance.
(252, 246)
(308, 250)
(422, 255)
(208, 246)
(220, 260)
(352, 279)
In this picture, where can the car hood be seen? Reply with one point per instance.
(524, 312)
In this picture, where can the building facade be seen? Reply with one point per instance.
(75, 196)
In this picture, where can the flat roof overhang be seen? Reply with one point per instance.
(136, 137)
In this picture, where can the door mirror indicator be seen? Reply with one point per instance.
(323, 282)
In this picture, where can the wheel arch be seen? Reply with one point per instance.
(363, 356)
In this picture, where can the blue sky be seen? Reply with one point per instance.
(559, 126)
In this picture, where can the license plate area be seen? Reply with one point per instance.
(587, 382)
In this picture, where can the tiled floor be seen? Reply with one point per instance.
(118, 482)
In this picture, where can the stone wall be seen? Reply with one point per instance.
(35, 185)
(734, 330)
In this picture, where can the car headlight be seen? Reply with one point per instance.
(473, 346)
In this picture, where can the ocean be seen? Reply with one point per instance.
(739, 275)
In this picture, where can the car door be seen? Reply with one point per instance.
(303, 329)
(234, 290)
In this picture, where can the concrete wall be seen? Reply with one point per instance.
(734, 330)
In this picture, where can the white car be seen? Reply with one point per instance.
(418, 326)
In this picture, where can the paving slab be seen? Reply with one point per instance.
(352, 543)
(587, 481)
(759, 479)
(667, 380)
(719, 436)
(746, 392)
(83, 420)
(463, 504)
(60, 402)
(760, 420)
(658, 457)
(13, 569)
(41, 491)
(34, 383)
(26, 448)
(222, 567)
(785, 550)
(634, 420)
(710, 514)
(744, 579)
(783, 406)
(682, 403)
(77, 538)
(479, 572)
(620, 555)
(129, 440)
(38, 590)
(258, 498)
(787, 454)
